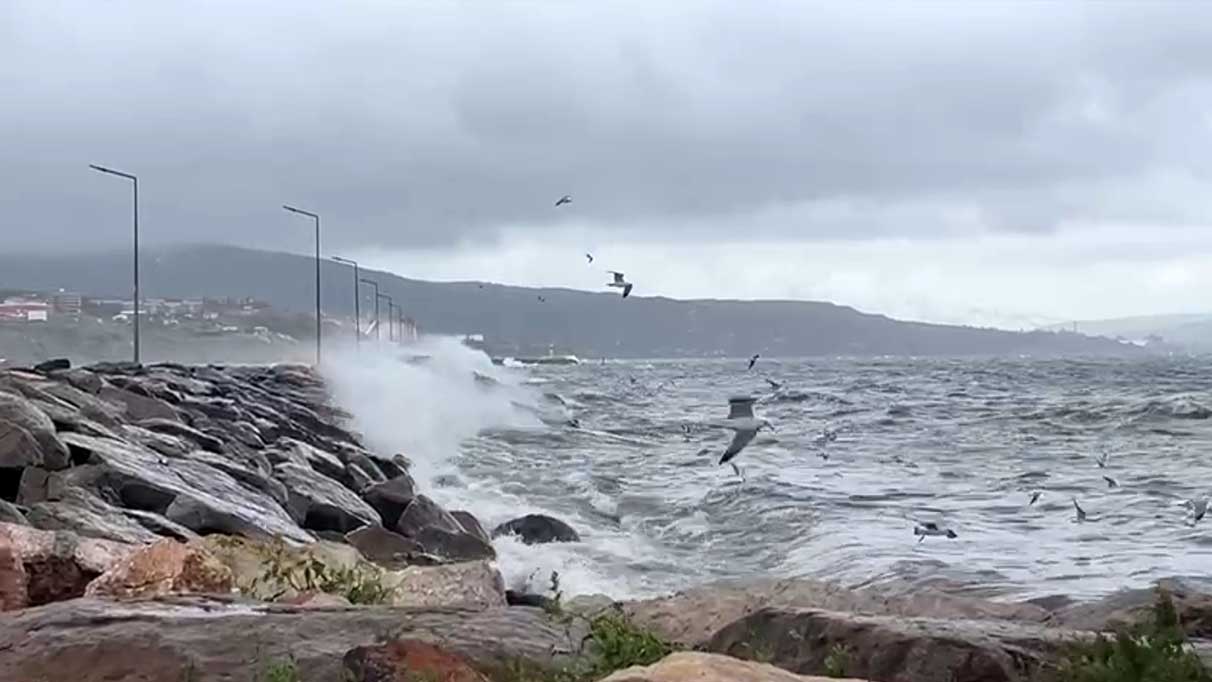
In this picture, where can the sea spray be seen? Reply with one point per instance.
(427, 400)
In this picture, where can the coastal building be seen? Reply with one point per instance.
(67, 303)
(21, 309)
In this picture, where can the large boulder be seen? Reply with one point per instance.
(10, 513)
(424, 513)
(388, 549)
(458, 546)
(534, 529)
(390, 498)
(27, 436)
(213, 639)
(187, 491)
(407, 660)
(164, 567)
(1192, 601)
(271, 570)
(688, 666)
(85, 513)
(317, 502)
(893, 647)
(39, 567)
(471, 524)
(139, 407)
(468, 585)
(175, 428)
(692, 616)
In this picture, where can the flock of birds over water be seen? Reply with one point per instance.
(745, 426)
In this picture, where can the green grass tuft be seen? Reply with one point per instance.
(280, 671)
(837, 662)
(1153, 651)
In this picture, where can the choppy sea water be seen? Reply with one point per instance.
(611, 448)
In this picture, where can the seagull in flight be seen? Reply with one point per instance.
(1081, 513)
(752, 361)
(1034, 498)
(1101, 460)
(1111, 482)
(620, 283)
(589, 257)
(931, 528)
(741, 420)
(542, 300)
(773, 384)
(566, 199)
(1199, 508)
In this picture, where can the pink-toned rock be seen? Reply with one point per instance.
(54, 565)
(163, 567)
(13, 579)
(698, 667)
(406, 660)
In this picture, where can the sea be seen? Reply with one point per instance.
(624, 451)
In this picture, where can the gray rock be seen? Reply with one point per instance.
(893, 647)
(692, 616)
(423, 513)
(251, 473)
(81, 379)
(457, 546)
(471, 524)
(1192, 601)
(87, 515)
(391, 498)
(53, 365)
(11, 513)
(320, 503)
(18, 449)
(198, 496)
(303, 454)
(27, 436)
(188, 433)
(221, 640)
(535, 529)
(386, 548)
(139, 407)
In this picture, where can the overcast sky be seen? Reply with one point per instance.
(966, 162)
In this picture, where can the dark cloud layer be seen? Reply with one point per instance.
(423, 124)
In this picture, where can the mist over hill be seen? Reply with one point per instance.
(515, 320)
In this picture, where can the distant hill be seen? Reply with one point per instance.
(513, 320)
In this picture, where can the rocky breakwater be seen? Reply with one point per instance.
(171, 523)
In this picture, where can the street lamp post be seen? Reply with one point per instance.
(357, 300)
(389, 304)
(375, 284)
(135, 184)
(316, 218)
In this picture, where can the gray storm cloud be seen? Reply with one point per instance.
(431, 124)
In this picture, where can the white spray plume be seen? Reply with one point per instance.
(424, 399)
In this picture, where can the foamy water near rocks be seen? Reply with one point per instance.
(168, 522)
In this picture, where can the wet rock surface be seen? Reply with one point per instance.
(537, 529)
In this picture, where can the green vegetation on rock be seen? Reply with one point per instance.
(1153, 651)
(838, 661)
(279, 671)
(287, 570)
